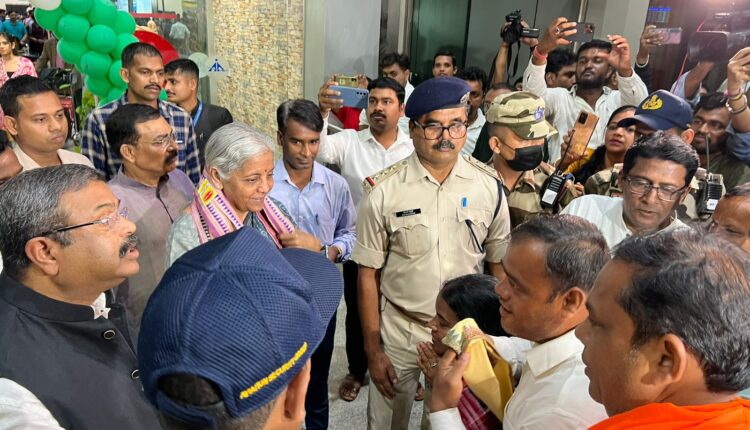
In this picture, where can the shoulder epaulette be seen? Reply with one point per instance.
(371, 182)
(484, 168)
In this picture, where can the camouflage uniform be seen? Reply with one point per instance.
(523, 113)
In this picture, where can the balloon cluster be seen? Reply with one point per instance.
(91, 34)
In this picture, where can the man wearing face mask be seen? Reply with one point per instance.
(517, 131)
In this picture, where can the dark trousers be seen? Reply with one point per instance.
(316, 401)
(355, 345)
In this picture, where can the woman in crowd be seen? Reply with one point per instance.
(468, 296)
(12, 64)
(233, 193)
(617, 140)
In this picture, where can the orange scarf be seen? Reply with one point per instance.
(734, 415)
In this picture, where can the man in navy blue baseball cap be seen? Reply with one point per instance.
(226, 337)
(662, 111)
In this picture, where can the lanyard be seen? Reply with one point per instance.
(198, 114)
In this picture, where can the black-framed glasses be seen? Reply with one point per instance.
(109, 221)
(640, 187)
(434, 131)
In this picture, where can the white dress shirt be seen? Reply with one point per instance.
(553, 392)
(65, 156)
(403, 122)
(472, 133)
(606, 213)
(359, 155)
(564, 105)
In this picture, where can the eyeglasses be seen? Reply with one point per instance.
(643, 187)
(434, 131)
(165, 141)
(110, 222)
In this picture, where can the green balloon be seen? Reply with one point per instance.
(123, 40)
(102, 12)
(71, 51)
(163, 94)
(114, 74)
(95, 64)
(48, 18)
(124, 23)
(101, 38)
(98, 86)
(78, 7)
(115, 93)
(73, 27)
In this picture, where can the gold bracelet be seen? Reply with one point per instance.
(737, 96)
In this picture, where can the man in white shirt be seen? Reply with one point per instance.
(395, 66)
(664, 164)
(180, 35)
(595, 62)
(476, 78)
(550, 267)
(38, 123)
(359, 155)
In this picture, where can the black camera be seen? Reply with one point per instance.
(515, 31)
(724, 35)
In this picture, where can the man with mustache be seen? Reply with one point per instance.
(431, 217)
(38, 123)
(66, 243)
(143, 71)
(710, 123)
(359, 155)
(155, 193)
(596, 61)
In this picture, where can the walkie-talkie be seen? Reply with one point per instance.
(552, 189)
(709, 195)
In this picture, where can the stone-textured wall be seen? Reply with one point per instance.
(262, 40)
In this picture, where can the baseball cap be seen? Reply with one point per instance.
(661, 110)
(522, 112)
(435, 94)
(240, 313)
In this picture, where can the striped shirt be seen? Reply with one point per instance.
(95, 146)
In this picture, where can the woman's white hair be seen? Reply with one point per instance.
(232, 145)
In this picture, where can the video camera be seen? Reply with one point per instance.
(515, 31)
(727, 34)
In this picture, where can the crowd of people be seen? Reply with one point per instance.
(176, 274)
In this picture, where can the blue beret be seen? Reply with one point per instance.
(435, 94)
(661, 110)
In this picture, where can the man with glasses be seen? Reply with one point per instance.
(38, 123)
(65, 245)
(655, 179)
(143, 71)
(359, 155)
(429, 218)
(155, 193)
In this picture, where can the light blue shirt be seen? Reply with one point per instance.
(324, 208)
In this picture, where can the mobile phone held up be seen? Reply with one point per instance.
(668, 36)
(584, 129)
(584, 32)
(353, 97)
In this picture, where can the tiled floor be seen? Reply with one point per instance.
(351, 415)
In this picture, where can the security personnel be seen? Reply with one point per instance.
(424, 220)
(662, 111)
(517, 132)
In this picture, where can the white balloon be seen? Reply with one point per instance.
(46, 4)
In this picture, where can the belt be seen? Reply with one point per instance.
(406, 314)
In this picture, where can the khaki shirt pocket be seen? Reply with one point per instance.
(410, 235)
(476, 221)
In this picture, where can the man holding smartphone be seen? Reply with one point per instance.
(595, 61)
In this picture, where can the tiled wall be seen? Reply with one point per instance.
(262, 41)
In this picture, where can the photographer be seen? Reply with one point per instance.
(510, 34)
(595, 60)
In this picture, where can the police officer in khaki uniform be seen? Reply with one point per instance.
(517, 129)
(427, 219)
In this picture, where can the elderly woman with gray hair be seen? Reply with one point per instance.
(233, 193)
